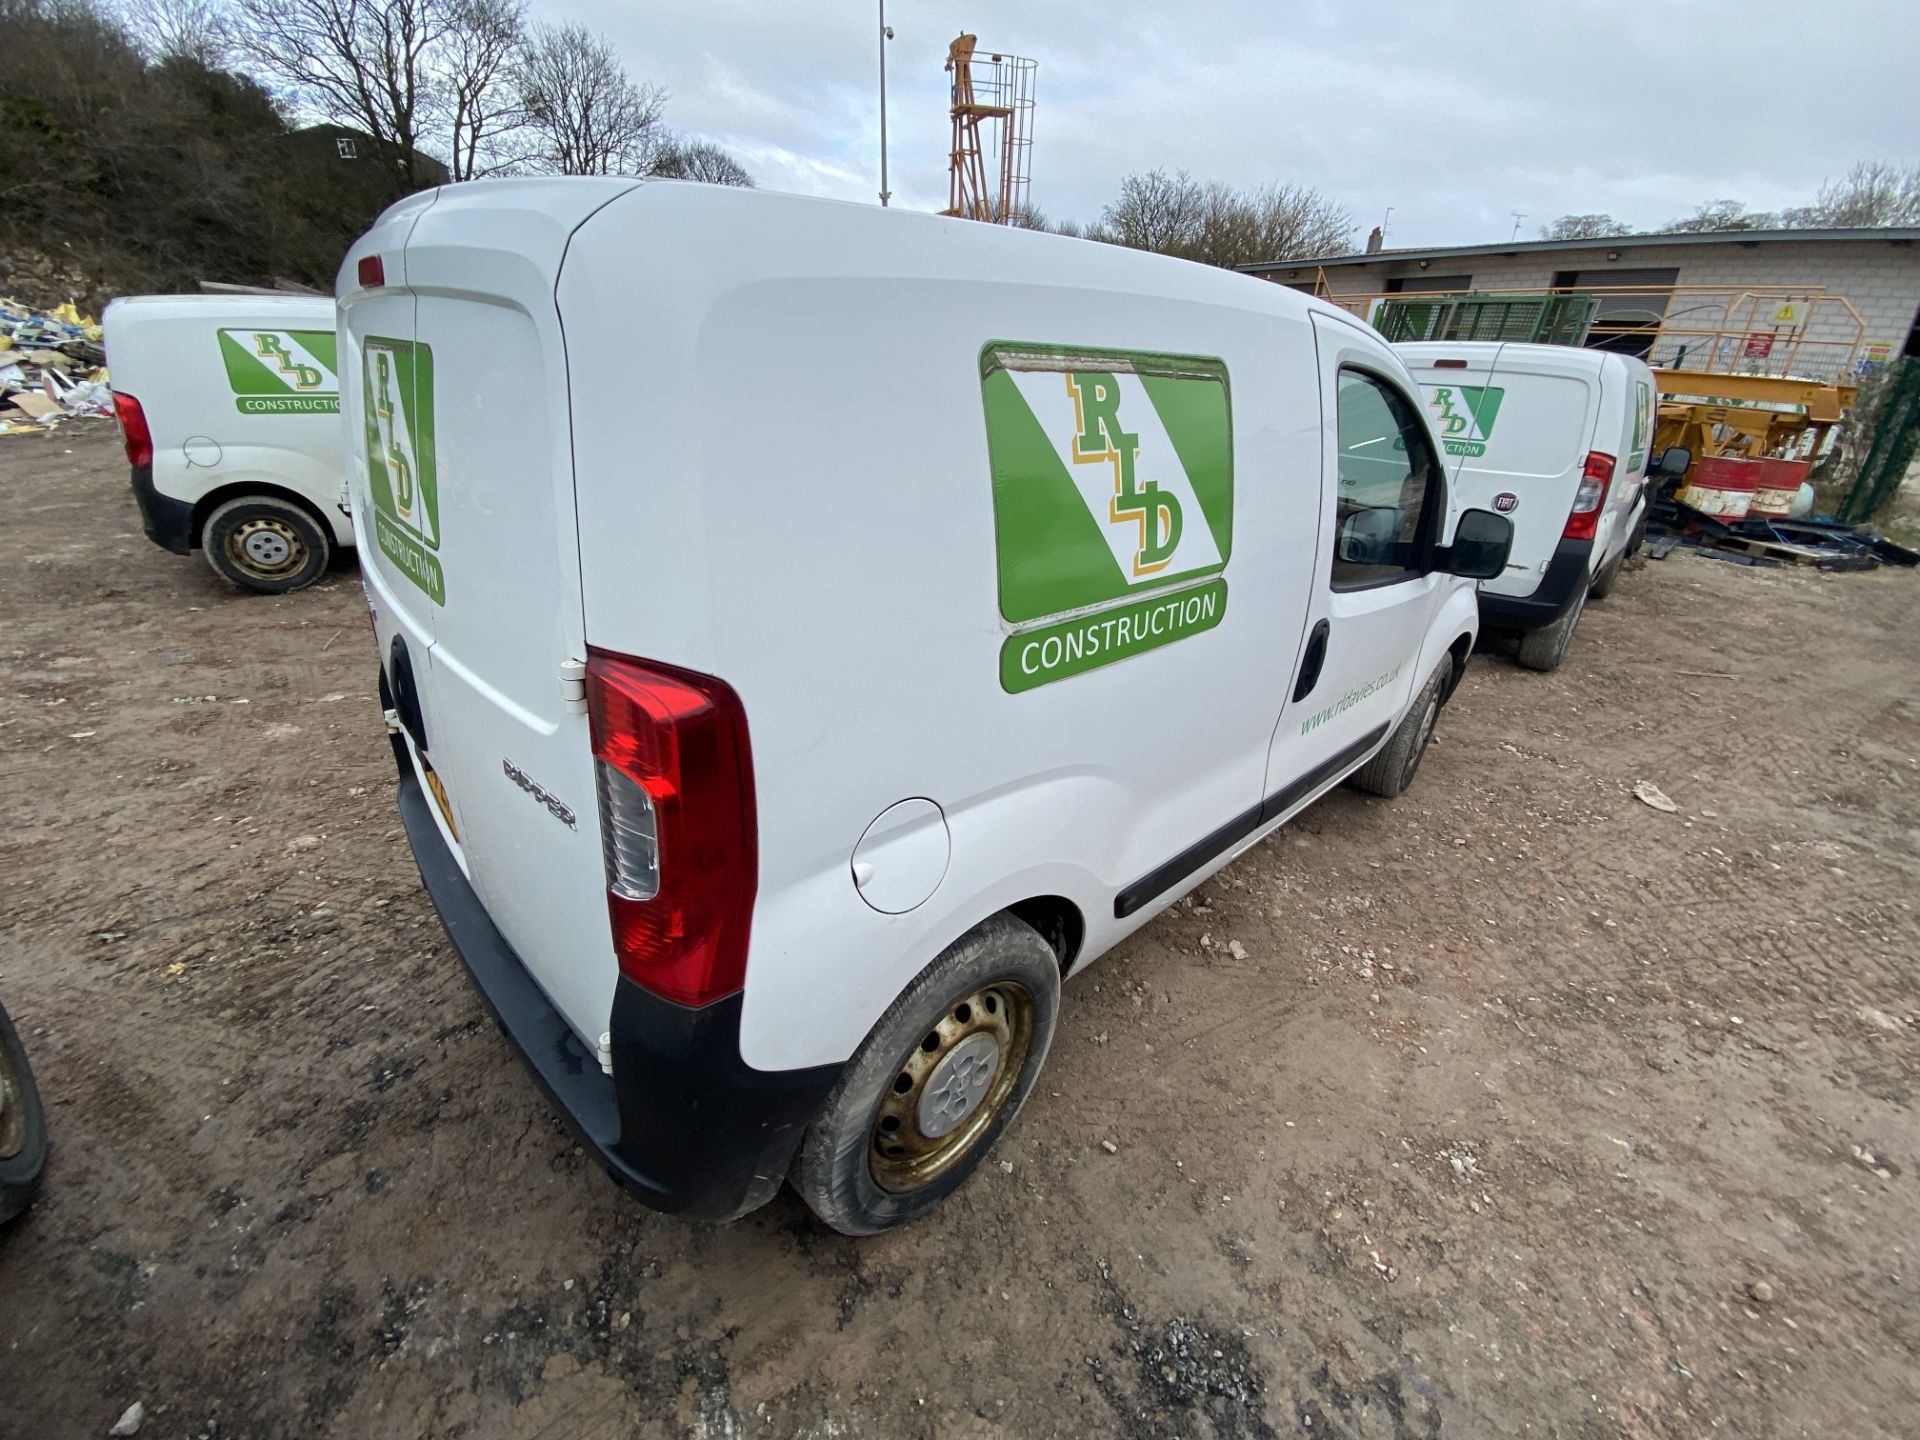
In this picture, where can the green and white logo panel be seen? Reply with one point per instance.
(1464, 415)
(1112, 482)
(282, 372)
(397, 390)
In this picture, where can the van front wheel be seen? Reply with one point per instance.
(262, 542)
(1392, 770)
(935, 1083)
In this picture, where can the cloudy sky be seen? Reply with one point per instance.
(1453, 114)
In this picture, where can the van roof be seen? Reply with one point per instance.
(203, 306)
(808, 226)
(1514, 354)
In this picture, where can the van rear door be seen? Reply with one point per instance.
(1517, 423)
(464, 475)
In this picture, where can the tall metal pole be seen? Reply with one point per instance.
(885, 35)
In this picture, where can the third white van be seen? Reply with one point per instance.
(230, 408)
(1558, 439)
(809, 632)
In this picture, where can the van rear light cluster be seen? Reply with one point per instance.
(677, 822)
(133, 430)
(1591, 498)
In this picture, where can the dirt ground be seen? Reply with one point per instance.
(1513, 1107)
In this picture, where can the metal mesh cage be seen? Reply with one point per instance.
(1544, 319)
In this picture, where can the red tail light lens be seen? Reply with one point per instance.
(678, 825)
(1591, 498)
(133, 430)
(372, 272)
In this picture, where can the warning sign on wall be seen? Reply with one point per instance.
(1759, 347)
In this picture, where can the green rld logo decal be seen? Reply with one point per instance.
(281, 372)
(397, 391)
(1464, 415)
(1112, 502)
(1642, 425)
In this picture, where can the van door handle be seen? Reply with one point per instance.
(1312, 664)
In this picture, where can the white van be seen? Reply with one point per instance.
(1558, 439)
(808, 631)
(230, 407)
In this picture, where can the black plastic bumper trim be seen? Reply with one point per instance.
(683, 1122)
(1208, 848)
(166, 521)
(1565, 579)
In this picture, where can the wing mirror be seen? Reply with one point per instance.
(1674, 460)
(1480, 544)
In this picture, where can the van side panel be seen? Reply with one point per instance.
(786, 483)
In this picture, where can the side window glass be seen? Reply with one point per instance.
(1386, 482)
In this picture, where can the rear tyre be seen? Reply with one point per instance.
(1391, 771)
(1545, 648)
(261, 542)
(1608, 577)
(1639, 536)
(935, 1083)
(23, 1125)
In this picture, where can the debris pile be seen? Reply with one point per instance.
(52, 368)
(1820, 542)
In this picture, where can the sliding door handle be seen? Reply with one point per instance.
(1312, 662)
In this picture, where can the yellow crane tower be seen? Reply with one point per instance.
(995, 91)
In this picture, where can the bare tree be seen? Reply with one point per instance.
(1277, 222)
(1155, 211)
(1583, 227)
(363, 63)
(678, 158)
(590, 117)
(197, 30)
(1873, 193)
(1723, 215)
(476, 93)
(1175, 214)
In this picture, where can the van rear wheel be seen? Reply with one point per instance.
(264, 543)
(1608, 577)
(935, 1083)
(1391, 771)
(1545, 648)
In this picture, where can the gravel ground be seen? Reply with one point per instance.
(1513, 1107)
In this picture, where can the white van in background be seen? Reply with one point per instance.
(1557, 438)
(230, 406)
(802, 655)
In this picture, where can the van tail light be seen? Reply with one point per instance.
(679, 833)
(1591, 498)
(371, 272)
(133, 430)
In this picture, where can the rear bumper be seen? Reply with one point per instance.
(683, 1122)
(167, 522)
(1567, 576)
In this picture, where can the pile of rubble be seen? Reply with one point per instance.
(51, 368)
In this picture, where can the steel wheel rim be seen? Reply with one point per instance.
(266, 548)
(941, 1085)
(13, 1110)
